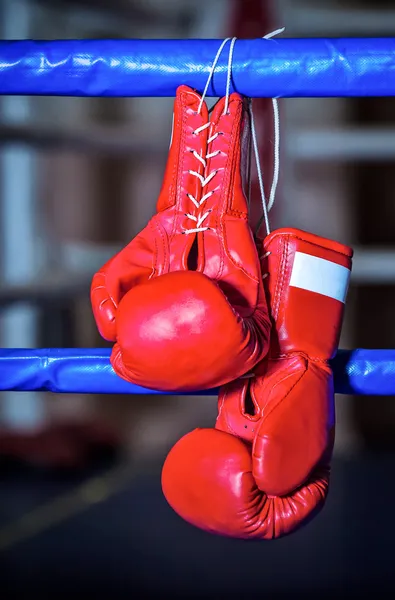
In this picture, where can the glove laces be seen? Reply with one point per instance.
(200, 218)
(267, 206)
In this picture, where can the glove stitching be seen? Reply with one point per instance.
(284, 397)
(219, 230)
(315, 244)
(237, 214)
(222, 228)
(227, 185)
(179, 168)
(226, 416)
(230, 427)
(175, 165)
(156, 260)
(281, 280)
(110, 295)
(308, 357)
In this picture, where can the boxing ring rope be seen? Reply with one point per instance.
(140, 68)
(88, 370)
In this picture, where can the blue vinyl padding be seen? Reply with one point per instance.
(88, 370)
(279, 67)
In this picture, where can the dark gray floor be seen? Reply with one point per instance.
(133, 545)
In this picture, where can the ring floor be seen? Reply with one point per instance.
(109, 533)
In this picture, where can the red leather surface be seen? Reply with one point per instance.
(305, 321)
(293, 424)
(264, 470)
(207, 478)
(183, 321)
(293, 392)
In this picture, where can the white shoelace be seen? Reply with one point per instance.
(267, 206)
(199, 219)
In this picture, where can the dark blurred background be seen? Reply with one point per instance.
(81, 508)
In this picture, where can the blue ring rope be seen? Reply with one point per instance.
(279, 67)
(88, 371)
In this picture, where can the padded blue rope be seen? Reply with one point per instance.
(279, 67)
(87, 370)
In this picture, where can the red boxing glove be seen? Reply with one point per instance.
(264, 470)
(184, 301)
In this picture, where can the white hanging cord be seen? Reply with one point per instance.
(267, 206)
(276, 167)
(276, 118)
(229, 75)
(249, 163)
(274, 33)
(265, 216)
(212, 69)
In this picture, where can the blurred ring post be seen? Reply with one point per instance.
(18, 235)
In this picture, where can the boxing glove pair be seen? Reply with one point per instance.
(184, 301)
(263, 470)
(185, 304)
